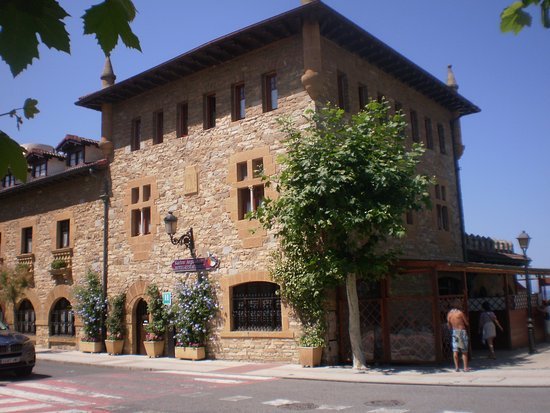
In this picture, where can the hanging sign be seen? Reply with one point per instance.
(167, 298)
(196, 264)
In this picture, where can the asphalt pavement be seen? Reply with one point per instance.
(514, 368)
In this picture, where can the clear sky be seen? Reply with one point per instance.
(505, 169)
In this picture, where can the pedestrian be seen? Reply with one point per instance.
(458, 324)
(487, 327)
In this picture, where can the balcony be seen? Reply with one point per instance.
(61, 267)
(25, 263)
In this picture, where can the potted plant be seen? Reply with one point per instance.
(193, 311)
(115, 325)
(311, 347)
(90, 307)
(154, 331)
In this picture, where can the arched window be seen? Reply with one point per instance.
(62, 319)
(25, 318)
(256, 307)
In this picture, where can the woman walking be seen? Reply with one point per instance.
(487, 327)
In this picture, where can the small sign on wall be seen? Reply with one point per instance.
(167, 298)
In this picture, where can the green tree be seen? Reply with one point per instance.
(159, 315)
(24, 24)
(345, 185)
(13, 282)
(90, 306)
(514, 17)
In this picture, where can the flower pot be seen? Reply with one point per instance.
(190, 353)
(310, 356)
(114, 347)
(154, 349)
(90, 346)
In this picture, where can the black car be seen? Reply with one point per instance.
(16, 352)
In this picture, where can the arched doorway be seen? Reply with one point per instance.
(62, 319)
(25, 318)
(141, 320)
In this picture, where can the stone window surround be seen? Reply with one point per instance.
(441, 202)
(27, 223)
(141, 244)
(251, 233)
(54, 228)
(227, 284)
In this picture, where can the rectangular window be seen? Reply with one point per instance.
(75, 158)
(257, 167)
(239, 102)
(245, 205)
(135, 140)
(270, 92)
(209, 111)
(146, 220)
(343, 92)
(63, 234)
(414, 127)
(183, 120)
(158, 127)
(136, 222)
(441, 135)
(242, 171)
(8, 181)
(429, 133)
(26, 240)
(442, 217)
(135, 195)
(146, 192)
(39, 169)
(363, 96)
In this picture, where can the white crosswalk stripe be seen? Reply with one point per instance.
(386, 410)
(220, 375)
(21, 408)
(235, 398)
(39, 397)
(330, 407)
(66, 390)
(280, 402)
(219, 381)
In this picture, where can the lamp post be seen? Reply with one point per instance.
(171, 224)
(523, 240)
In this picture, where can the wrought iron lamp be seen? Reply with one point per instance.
(171, 223)
(523, 240)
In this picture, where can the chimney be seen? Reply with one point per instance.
(451, 81)
(107, 77)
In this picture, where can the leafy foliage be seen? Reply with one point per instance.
(13, 282)
(116, 328)
(345, 185)
(90, 306)
(514, 17)
(194, 309)
(58, 264)
(159, 316)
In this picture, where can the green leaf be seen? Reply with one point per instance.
(29, 108)
(21, 22)
(513, 18)
(109, 21)
(12, 158)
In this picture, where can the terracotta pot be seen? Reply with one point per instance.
(310, 356)
(90, 346)
(114, 347)
(154, 349)
(190, 353)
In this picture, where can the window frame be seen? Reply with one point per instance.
(238, 101)
(254, 302)
(270, 93)
(135, 137)
(63, 234)
(342, 85)
(182, 119)
(363, 95)
(441, 137)
(415, 132)
(428, 128)
(27, 240)
(158, 127)
(209, 114)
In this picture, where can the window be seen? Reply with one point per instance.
(414, 127)
(158, 127)
(26, 240)
(441, 208)
(239, 102)
(39, 169)
(363, 96)
(183, 120)
(25, 318)
(62, 319)
(256, 307)
(429, 133)
(140, 214)
(75, 157)
(135, 140)
(257, 167)
(8, 181)
(270, 92)
(242, 171)
(63, 232)
(209, 111)
(250, 199)
(343, 92)
(441, 135)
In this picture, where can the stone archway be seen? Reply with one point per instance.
(135, 299)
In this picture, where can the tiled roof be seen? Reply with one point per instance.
(75, 140)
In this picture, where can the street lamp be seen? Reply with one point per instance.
(523, 240)
(171, 223)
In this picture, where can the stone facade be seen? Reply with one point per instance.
(179, 147)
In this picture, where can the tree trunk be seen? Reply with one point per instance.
(354, 323)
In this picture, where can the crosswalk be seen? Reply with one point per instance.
(59, 396)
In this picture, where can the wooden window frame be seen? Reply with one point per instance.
(269, 92)
(26, 240)
(63, 227)
(135, 138)
(238, 101)
(158, 127)
(363, 96)
(209, 110)
(182, 119)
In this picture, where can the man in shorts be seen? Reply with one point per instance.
(458, 325)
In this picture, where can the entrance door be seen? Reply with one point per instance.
(142, 319)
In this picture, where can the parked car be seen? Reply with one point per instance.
(17, 352)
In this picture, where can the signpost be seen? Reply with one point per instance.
(195, 264)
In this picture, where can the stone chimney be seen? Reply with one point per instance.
(451, 81)
(107, 77)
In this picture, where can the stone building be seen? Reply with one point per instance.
(189, 137)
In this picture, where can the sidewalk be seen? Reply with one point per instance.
(512, 369)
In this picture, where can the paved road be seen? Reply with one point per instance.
(75, 388)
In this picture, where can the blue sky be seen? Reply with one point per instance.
(505, 170)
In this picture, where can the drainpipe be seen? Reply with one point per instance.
(104, 196)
